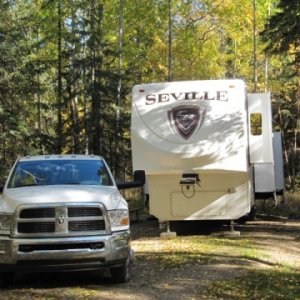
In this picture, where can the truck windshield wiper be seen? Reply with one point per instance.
(23, 185)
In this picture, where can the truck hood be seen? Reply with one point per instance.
(108, 196)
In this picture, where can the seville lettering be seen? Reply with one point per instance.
(205, 95)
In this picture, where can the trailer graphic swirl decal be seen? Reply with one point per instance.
(186, 119)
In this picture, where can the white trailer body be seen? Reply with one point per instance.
(192, 140)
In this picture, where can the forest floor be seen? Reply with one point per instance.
(188, 266)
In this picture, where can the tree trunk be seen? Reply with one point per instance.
(59, 83)
(96, 23)
(73, 91)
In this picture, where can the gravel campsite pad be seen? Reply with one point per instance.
(183, 267)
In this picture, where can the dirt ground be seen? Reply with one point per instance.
(149, 281)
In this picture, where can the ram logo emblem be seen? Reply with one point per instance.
(60, 219)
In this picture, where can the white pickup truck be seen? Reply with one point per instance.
(63, 212)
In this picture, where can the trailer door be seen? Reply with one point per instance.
(261, 144)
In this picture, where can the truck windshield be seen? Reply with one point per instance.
(60, 172)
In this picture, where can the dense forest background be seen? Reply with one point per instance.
(67, 67)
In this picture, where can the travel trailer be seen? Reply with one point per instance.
(206, 148)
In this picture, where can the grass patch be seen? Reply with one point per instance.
(261, 276)
(172, 253)
(279, 283)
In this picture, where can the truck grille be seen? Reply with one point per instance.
(60, 220)
(28, 213)
(36, 227)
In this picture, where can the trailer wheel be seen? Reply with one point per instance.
(121, 274)
(252, 214)
(249, 217)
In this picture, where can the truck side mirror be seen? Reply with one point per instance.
(139, 176)
(139, 179)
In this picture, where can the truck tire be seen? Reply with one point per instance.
(7, 278)
(121, 274)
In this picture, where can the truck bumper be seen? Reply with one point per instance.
(66, 253)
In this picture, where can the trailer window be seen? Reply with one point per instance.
(256, 123)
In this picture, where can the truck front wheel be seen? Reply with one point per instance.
(7, 278)
(121, 274)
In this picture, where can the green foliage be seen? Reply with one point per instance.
(258, 284)
(65, 78)
(282, 37)
(283, 29)
(17, 80)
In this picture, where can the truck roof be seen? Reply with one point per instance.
(62, 157)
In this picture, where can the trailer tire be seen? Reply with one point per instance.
(249, 217)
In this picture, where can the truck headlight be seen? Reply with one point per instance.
(119, 219)
(5, 221)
